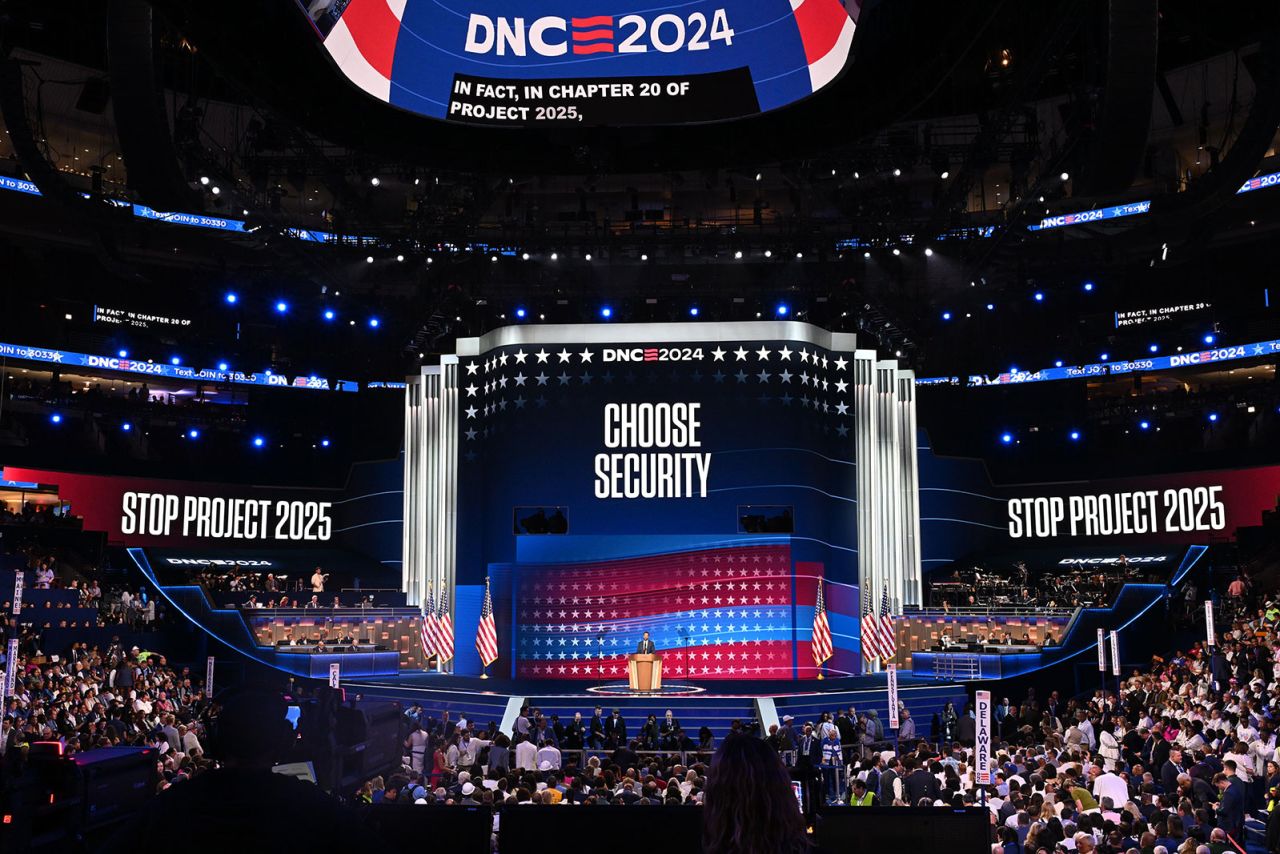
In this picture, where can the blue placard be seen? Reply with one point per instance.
(1261, 182)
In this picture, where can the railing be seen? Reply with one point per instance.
(990, 611)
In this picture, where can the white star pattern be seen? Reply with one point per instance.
(741, 354)
(521, 355)
(717, 354)
(763, 354)
(840, 363)
(542, 356)
(784, 354)
(585, 355)
(564, 355)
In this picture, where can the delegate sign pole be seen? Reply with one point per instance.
(982, 742)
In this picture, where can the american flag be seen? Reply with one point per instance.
(444, 629)
(487, 631)
(886, 643)
(870, 634)
(428, 618)
(821, 629)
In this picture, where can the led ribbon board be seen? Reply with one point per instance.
(590, 62)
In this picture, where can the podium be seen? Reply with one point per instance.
(644, 672)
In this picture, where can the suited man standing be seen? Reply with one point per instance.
(1170, 770)
(1230, 808)
(615, 729)
(645, 647)
(808, 758)
(596, 728)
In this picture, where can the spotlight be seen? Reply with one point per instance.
(945, 175)
(1104, 357)
(282, 307)
(175, 361)
(759, 176)
(223, 366)
(1210, 338)
(606, 312)
(555, 256)
(1006, 438)
(644, 257)
(55, 418)
(1154, 348)
(587, 256)
(493, 258)
(215, 190)
(897, 173)
(1088, 286)
(126, 426)
(524, 256)
(1213, 416)
(799, 255)
(866, 254)
(373, 323)
(782, 310)
(991, 306)
(1144, 425)
(928, 253)
(768, 253)
(1074, 435)
(258, 441)
(193, 434)
(1058, 364)
(520, 313)
(123, 354)
(204, 180)
(896, 252)
(329, 314)
(231, 298)
(1039, 296)
(368, 259)
(400, 258)
(375, 180)
(738, 254)
(1066, 176)
(324, 443)
(693, 311)
(946, 315)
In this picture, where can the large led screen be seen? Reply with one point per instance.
(587, 62)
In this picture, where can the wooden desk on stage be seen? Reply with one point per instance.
(644, 671)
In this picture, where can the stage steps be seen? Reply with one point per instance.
(922, 701)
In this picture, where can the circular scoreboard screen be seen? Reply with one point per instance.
(587, 62)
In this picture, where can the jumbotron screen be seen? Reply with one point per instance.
(587, 62)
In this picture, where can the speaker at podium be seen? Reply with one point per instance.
(644, 672)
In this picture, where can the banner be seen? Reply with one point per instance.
(17, 592)
(892, 671)
(1115, 654)
(335, 675)
(1209, 634)
(10, 671)
(208, 678)
(982, 745)
(1102, 651)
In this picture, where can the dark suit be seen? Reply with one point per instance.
(920, 784)
(1169, 776)
(808, 758)
(645, 647)
(1231, 810)
(597, 731)
(615, 729)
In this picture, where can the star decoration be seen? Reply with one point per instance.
(564, 378)
(841, 385)
(471, 390)
(564, 356)
(842, 430)
(763, 376)
(741, 354)
(741, 377)
(763, 353)
(542, 356)
(471, 434)
(840, 363)
(542, 378)
(804, 355)
(784, 354)
(520, 378)
(471, 411)
(785, 376)
(503, 359)
(585, 355)
(841, 408)
(521, 355)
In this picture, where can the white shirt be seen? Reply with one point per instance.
(526, 756)
(1111, 785)
(549, 754)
